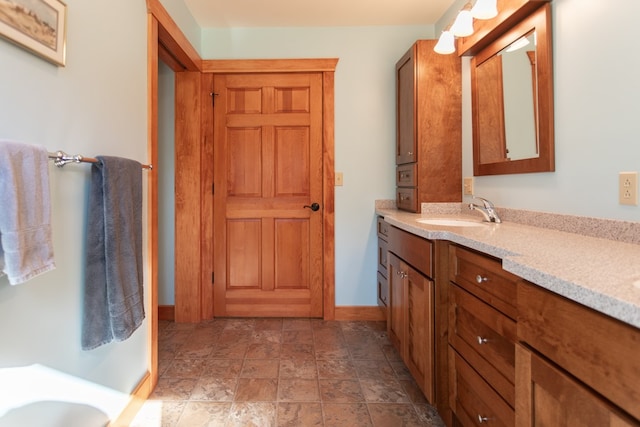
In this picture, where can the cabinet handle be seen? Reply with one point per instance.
(481, 279)
(482, 419)
(482, 340)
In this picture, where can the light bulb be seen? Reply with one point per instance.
(463, 25)
(485, 9)
(446, 43)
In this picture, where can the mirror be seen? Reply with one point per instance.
(512, 100)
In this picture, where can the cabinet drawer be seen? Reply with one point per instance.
(406, 175)
(382, 257)
(598, 350)
(383, 228)
(383, 290)
(416, 251)
(484, 277)
(472, 400)
(407, 199)
(485, 338)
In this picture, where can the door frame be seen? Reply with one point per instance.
(209, 68)
(325, 66)
(166, 42)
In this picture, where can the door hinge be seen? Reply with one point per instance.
(213, 98)
(213, 277)
(213, 189)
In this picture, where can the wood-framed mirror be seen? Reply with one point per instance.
(512, 99)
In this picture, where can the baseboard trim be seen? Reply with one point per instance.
(360, 312)
(138, 396)
(167, 312)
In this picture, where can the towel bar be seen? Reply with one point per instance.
(60, 158)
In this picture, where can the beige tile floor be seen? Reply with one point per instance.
(282, 372)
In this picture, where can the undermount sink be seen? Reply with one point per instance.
(450, 222)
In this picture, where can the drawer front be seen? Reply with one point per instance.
(485, 338)
(484, 277)
(382, 257)
(383, 290)
(383, 228)
(406, 175)
(416, 251)
(472, 400)
(407, 199)
(600, 351)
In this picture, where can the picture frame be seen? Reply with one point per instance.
(39, 26)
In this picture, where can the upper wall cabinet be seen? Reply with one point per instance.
(512, 92)
(429, 135)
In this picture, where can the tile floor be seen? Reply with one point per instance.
(282, 372)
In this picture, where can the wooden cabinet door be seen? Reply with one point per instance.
(396, 307)
(267, 173)
(406, 141)
(419, 334)
(548, 397)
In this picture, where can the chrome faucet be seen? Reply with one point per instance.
(487, 210)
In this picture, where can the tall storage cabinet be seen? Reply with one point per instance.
(429, 123)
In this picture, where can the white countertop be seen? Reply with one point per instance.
(598, 273)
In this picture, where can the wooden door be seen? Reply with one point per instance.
(419, 331)
(267, 177)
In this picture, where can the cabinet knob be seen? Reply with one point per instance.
(409, 153)
(482, 419)
(482, 340)
(481, 279)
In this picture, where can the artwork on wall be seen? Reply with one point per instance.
(36, 25)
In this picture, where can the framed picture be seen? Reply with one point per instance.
(36, 25)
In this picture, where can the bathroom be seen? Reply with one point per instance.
(97, 104)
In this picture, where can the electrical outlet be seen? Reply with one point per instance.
(468, 186)
(338, 179)
(628, 188)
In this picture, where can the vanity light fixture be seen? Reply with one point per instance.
(485, 9)
(463, 24)
(446, 43)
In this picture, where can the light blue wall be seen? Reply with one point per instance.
(95, 105)
(364, 126)
(597, 116)
(166, 185)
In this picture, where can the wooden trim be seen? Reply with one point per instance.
(138, 396)
(173, 39)
(226, 66)
(167, 312)
(152, 194)
(328, 160)
(359, 312)
(188, 205)
(206, 205)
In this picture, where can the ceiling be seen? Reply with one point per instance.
(315, 13)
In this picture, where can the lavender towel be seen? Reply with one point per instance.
(113, 294)
(26, 246)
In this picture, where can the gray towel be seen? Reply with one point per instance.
(113, 295)
(26, 247)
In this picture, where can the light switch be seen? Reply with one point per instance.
(338, 179)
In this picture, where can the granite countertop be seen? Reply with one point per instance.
(599, 273)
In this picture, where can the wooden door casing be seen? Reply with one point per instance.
(268, 156)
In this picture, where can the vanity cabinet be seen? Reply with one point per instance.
(575, 366)
(383, 283)
(429, 122)
(411, 318)
(482, 339)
